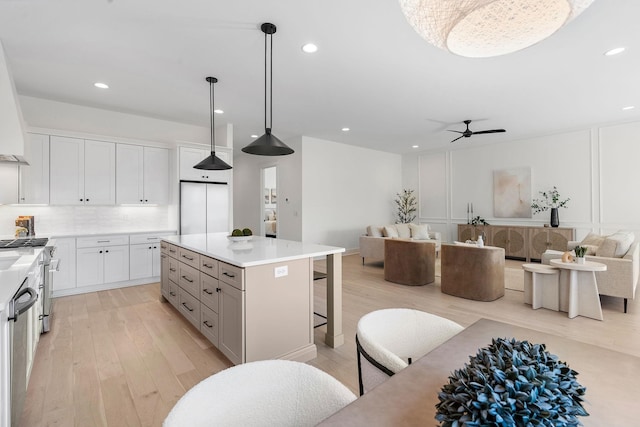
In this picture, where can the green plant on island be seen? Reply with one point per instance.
(247, 232)
(511, 383)
(406, 207)
(580, 251)
(549, 199)
(236, 232)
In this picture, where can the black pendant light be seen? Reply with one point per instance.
(268, 144)
(212, 162)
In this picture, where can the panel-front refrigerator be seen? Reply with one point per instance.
(204, 207)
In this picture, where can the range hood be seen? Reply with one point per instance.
(12, 134)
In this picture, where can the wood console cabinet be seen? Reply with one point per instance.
(519, 242)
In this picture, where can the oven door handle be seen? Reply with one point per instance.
(17, 308)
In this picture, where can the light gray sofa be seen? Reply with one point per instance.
(372, 244)
(621, 278)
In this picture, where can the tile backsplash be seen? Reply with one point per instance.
(60, 220)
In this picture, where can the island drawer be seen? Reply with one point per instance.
(173, 294)
(189, 257)
(231, 275)
(209, 324)
(209, 292)
(172, 250)
(95, 242)
(189, 279)
(209, 266)
(189, 307)
(173, 269)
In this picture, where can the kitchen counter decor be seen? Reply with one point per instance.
(512, 383)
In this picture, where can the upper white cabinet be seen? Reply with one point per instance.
(142, 175)
(82, 172)
(34, 178)
(189, 157)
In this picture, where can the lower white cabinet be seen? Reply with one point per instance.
(104, 264)
(65, 277)
(144, 255)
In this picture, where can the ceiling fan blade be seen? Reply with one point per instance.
(488, 131)
(456, 131)
(462, 136)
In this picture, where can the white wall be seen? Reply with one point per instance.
(248, 190)
(346, 188)
(595, 167)
(47, 114)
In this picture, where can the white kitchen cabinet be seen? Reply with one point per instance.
(82, 172)
(100, 265)
(144, 258)
(65, 277)
(103, 259)
(34, 178)
(142, 175)
(189, 157)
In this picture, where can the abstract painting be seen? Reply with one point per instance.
(512, 193)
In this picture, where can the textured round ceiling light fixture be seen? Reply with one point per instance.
(484, 28)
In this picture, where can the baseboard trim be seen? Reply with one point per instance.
(104, 287)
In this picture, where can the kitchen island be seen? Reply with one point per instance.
(252, 299)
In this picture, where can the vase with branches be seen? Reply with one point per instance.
(550, 200)
(406, 207)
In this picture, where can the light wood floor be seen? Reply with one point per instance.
(123, 358)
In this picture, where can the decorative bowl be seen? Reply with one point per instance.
(239, 238)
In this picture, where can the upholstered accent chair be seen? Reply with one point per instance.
(472, 272)
(409, 262)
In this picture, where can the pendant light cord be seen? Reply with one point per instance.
(270, 91)
(213, 135)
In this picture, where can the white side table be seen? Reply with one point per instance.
(541, 286)
(583, 288)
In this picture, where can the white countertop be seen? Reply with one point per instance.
(258, 251)
(12, 278)
(98, 232)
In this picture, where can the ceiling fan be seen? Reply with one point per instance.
(467, 133)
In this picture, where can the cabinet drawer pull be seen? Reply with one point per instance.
(173, 251)
(229, 275)
(173, 294)
(187, 279)
(218, 289)
(172, 269)
(186, 306)
(184, 256)
(163, 256)
(207, 265)
(104, 241)
(207, 291)
(207, 324)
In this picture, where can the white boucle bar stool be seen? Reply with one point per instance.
(388, 340)
(265, 393)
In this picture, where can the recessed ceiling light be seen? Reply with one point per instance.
(629, 107)
(615, 51)
(101, 85)
(218, 111)
(345, 129)
(310, 48)
(415, 146)
(254, 136)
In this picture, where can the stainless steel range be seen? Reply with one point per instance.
(49, 267)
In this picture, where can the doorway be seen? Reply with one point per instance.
(270, 202)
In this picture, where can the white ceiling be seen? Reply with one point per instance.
(372, 72)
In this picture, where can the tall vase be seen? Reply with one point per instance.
(555, 220)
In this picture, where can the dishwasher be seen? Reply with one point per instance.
(23, 301)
